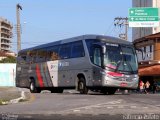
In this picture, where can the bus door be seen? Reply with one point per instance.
(97, 68)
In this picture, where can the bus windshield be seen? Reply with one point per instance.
(120, 58)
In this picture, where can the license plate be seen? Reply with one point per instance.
(123, 84)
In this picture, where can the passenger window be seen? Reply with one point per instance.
(41, 55)
(52, 53)
(97, 57)
(89, 43)
(77, 49)
(33, 56)
(65, 51)
(21, 59)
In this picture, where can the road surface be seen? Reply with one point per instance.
(72, 105)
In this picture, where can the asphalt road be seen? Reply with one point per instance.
(72, 105)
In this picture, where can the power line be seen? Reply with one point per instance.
(109, 28)
(120, 21)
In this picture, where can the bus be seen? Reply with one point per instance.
(88, 62)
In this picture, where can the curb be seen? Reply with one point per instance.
(17, 100)
(23, 97)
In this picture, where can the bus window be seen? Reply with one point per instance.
(89, 43)
(41, 57)
(65, 51)
(77, 49)
(97, 56)
(33, 56)
(21, 59)
(52, 53)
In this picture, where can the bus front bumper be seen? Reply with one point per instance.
(126, 83)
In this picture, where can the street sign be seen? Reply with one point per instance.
(144, 17)
(143, 12)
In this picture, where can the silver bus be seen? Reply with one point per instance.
(87, 62)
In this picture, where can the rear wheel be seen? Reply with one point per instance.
(33, 88)
(82, 86)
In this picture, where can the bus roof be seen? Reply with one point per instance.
(82, 37)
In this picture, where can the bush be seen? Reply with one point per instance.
(9, 59)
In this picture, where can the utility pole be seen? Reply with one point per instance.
(119, 21)
(18, 8)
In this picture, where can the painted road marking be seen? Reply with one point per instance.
(145, 107)
(110, 107)
(91, 106)
(76, 110)
(133, 106)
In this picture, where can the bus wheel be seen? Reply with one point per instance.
(33, 88)
(111, 91)
(82, 86)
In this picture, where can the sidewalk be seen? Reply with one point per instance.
(134, 92)
(10, 93)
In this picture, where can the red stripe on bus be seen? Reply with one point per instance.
(38, 72)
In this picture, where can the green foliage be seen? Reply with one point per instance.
(9, 59)
(3, 102)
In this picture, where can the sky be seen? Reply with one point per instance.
(44, 21)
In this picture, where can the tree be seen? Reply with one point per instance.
(9, 59)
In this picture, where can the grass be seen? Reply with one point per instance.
(3, 102)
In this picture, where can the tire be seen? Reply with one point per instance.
(33, 88)
(82, 86)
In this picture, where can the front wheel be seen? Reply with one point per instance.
(33, 88)
(82, 86)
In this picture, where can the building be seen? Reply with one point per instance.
(149, 57)
(141, 32)
(5, 35)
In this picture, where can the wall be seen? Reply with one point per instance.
(148, 53)
(157, 51)
(7, 74)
